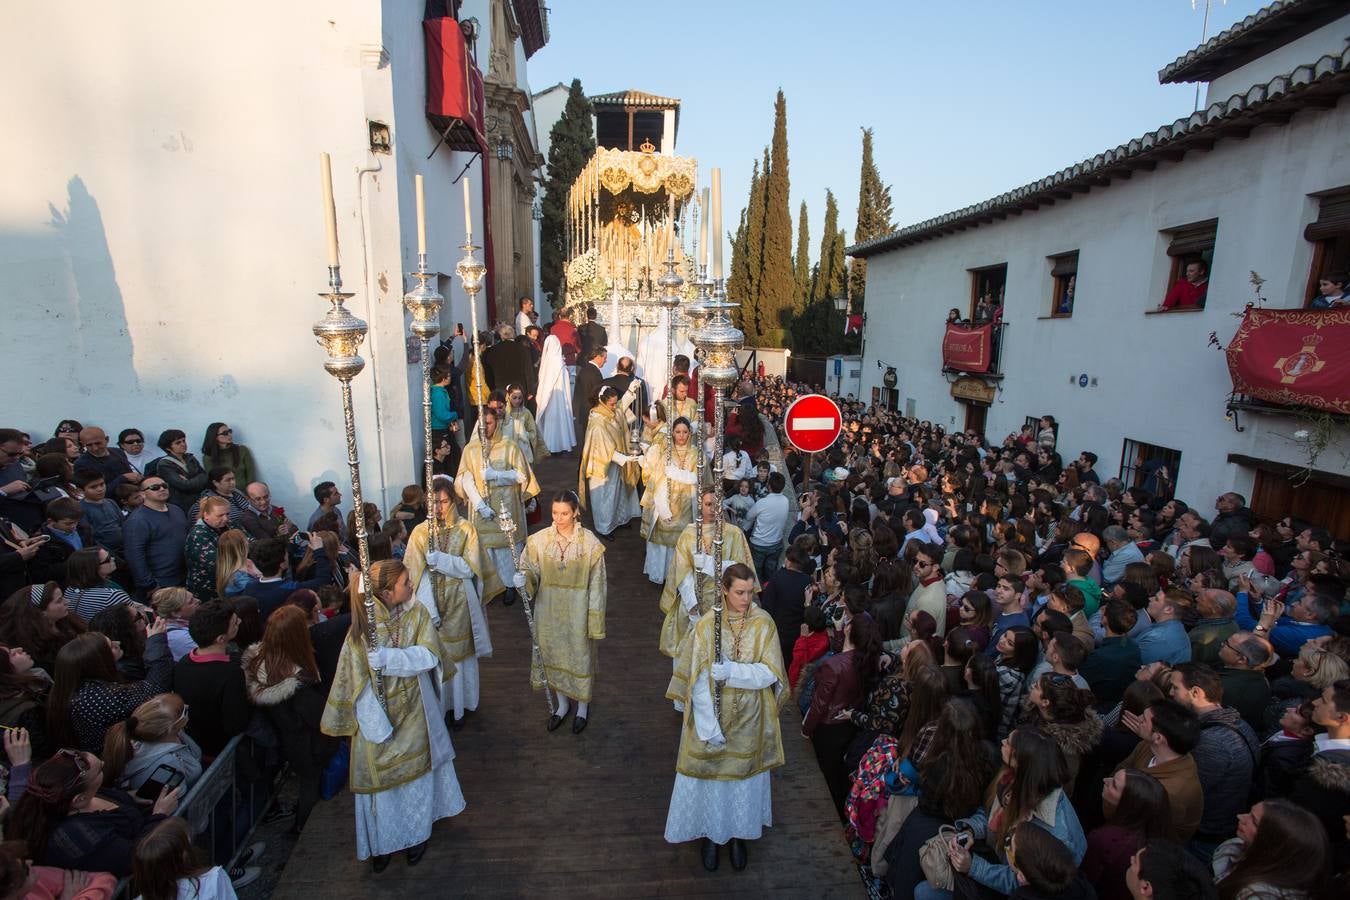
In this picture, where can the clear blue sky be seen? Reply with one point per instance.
(967, 99)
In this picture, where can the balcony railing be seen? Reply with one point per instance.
(974, 350)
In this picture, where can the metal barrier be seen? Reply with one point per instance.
(219, 798)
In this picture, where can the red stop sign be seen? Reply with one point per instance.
(812, 423)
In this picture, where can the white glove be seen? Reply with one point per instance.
(704, 563)
(449, 564)
(485, 511)
(519, 581)
(720, 670)
(521, 478)
(624, 458)
(376, 658)
(717, 740)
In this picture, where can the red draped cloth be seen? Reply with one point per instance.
(967, 349)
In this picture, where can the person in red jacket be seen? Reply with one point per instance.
(810, 646)
(1189, 292)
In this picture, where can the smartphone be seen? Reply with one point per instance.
(459, 329)
(162, 778)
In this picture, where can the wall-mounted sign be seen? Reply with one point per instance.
(1083, 380)
(973, 390)
(890, 379)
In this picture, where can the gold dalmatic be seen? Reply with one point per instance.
(566, 578)
(735, 549)
(502, 454)
(406, 755)
(452, 601)
(749, 718)
(604, 438)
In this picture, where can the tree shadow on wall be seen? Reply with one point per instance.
(90, 310)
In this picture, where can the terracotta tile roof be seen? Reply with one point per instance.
(1264, 30)
(1314, 86)
(634, 98)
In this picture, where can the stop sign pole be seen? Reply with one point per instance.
(811, 424)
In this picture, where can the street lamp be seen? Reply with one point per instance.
(841, 304)
(506, 151)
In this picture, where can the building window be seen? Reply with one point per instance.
(1330, 237)
(1191, 249)
(1149, 466)
(986, 293)
(1064, 273)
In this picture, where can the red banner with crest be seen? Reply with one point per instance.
(1293, 357)
(967, 349)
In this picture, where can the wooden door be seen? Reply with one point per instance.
(1276, 496)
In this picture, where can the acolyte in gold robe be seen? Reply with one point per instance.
(678, 496)
(452, 602)
(502, 454)
(735, 549)
(749, 719)
(604, 438)
(406, 755)
(519, 426)
(568, 583)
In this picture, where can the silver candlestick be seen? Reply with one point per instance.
(719, 340)
(340, 334)
(424, 303)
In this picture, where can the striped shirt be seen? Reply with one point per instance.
(89, 602)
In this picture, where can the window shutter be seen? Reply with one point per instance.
(1190, 240)
(1333, 217)
(1064, 265)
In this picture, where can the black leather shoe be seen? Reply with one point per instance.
(510, 598)
(578, 724)
(738, 855)
(606, 537)
(554, 721)
(457, 724)
(710, 851)
(380, 863)
(415, 854)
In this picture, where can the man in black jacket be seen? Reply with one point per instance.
(508, 362)
(588, 384)
(622, 380)
(593, 335)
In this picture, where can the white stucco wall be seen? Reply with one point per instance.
(1156, 380)
(1329, 39)
(161, 241)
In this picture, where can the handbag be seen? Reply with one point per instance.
(892, 818)
(933, 859)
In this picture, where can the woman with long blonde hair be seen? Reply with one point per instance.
(235, 572)
(152, 736)
(386, 698)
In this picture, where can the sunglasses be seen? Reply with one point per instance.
(134, 441)
(225, 431)
(161, 486)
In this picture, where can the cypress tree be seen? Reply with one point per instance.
(874, 216)
(754, 253)
(776, 285)
(830, 277)
(744, 263)
(802, 264)
(571, 146)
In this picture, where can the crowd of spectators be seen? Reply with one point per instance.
(1021, 677)
(155, 607)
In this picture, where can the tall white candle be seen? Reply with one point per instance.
(329, 210)
(421, 217)
(670, 220)
(717, 222)
(704, 212)
(468, 212)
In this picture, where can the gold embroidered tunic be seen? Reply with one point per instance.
(519, 426)
(452, 600)
(675, 594)
(406, 754)
(502, 454)
(749, 719)
(675, 494)
(566, 578)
